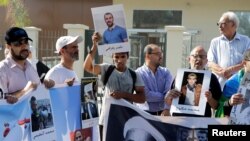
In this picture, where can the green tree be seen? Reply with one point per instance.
(17, 14)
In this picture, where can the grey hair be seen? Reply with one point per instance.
(232, 17)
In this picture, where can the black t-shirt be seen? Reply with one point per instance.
(214, 88)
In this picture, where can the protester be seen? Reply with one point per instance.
(231, 96)
(157, 80)
(226, 51)
(198, 61)
(114, 33)
(17, 74)
(67, 48)
(40, 67)
(120, 82)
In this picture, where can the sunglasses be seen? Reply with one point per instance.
(20, 42)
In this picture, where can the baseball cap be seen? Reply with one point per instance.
(16, 34)
(65, 40)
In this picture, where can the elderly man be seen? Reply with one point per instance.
(67, 48)
(198, 61)
(17, 74)
(226, 51)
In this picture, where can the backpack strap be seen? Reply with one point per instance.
(107, 74)
(133, 75)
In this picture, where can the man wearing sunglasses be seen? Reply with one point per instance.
(17, 74)
(225, 54)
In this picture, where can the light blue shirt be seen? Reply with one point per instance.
(227, 53)
(156, 86)
(115, 34)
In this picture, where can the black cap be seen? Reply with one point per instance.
(16, 34)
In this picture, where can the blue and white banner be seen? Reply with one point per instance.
(15, 121)
(66, 108)
(42, 115)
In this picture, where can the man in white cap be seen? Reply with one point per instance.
(67, 48)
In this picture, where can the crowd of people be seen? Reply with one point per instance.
(227, 58)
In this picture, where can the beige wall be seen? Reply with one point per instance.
(200, 15)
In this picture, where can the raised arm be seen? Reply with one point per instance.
(88, 63)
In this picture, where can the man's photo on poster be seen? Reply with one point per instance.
(89, 108)
(109, 22)
(192, 84)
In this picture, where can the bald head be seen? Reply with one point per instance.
(199, 49)
(198, 58)
(153, 56)
(150, 48)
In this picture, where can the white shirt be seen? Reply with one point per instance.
(59, 74)
(227, 53)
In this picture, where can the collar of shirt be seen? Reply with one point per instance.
(111, 28)
(150, 71)
(236, 37)
(12, 63)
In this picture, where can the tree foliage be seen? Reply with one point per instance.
(17, 14)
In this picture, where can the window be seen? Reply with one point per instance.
(156, 19)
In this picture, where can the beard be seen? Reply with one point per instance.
(23, 54)
(75, 56)
(110, 24)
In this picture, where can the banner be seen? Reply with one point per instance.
(15, 120)
(126, 122)
(66, 110)
(58, 111)
(42, 114)
(89, 108)
(42, 124)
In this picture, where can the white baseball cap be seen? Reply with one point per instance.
(65, 40)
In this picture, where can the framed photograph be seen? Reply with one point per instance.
(192, 84)
(109, 22)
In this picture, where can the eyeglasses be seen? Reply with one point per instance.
(157, 53)
(223, 23)
(20, 42)
(199, 56)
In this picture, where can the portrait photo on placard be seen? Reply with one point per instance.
(110, 23)
(192, 84)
